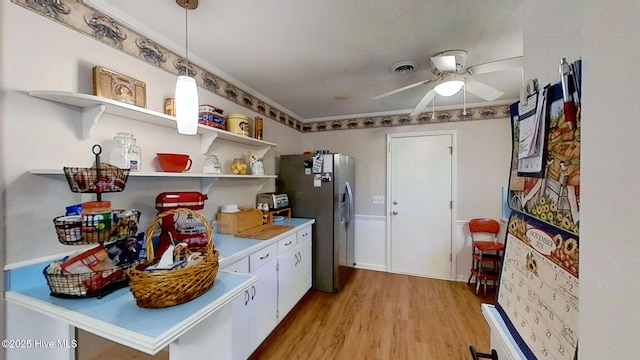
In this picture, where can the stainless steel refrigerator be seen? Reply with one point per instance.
(323, 188)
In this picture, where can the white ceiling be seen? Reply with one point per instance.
(301, 54)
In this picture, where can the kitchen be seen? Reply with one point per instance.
(46, 136)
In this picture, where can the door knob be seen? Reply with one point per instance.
(395, 213)
(395, 202)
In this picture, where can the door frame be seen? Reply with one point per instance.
(454, 191)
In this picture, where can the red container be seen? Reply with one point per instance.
(174, 162)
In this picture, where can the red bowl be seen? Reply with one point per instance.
(174, 162)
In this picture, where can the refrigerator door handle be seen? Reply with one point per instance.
(350, 205)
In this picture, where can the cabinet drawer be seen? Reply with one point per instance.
(262, 257)
(240, 266)
(304, 234)
(287, 243)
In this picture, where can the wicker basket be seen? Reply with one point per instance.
(93, 284)
(159, 289)
(69, 229)
(108, 178)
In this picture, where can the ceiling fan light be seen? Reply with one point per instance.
(449, 88)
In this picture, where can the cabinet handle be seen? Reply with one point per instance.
(287, 244)
(264, 257)
(246, 297)
(253, 290)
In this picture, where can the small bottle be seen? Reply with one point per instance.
(257, 128)
(135, 157)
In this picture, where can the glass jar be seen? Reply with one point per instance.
(239, 166)
(119, 155)
(211, 165)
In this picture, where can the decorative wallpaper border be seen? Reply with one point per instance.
(85, 19)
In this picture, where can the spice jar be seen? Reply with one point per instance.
(211, 165)
(239, 166)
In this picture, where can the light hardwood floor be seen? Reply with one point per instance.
(379, 315)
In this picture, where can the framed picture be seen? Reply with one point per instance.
(112, 85)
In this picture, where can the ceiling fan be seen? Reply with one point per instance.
(452, 74)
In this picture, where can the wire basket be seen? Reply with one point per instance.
(164, 288)
(93, 284)
(104, 179)
(78, 230)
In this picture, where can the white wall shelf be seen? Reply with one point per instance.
(93, 107)
(206, 180)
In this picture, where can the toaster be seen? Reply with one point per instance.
(275, 201)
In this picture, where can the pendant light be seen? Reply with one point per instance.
(187, 102)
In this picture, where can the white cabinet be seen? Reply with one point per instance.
(283, 269)
(255, 313)
(263, 296)
(240, 325)
(294, 271)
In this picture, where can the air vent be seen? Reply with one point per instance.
(404, 67)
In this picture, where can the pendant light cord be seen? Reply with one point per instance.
(186, 36)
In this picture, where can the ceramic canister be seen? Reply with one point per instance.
(238, 124)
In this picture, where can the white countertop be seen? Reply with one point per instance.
(501, 339)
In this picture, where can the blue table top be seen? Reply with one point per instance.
(119, 308)
(232, 248)
(117, 313)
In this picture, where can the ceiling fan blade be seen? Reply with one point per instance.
(482, 90)
(428, 97)
(401, 89)
(445, 63)
(506, 64)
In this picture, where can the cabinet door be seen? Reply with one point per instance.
(304, 268)
(287, 279)
(240, 324)
(294, 277)
(264, 302)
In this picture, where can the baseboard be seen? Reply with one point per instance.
(375, 267)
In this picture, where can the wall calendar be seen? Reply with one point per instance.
(538, 294)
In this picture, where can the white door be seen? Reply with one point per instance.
(420, 177)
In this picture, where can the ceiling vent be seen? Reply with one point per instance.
(404, 67)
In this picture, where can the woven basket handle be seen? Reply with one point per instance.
(158, 218)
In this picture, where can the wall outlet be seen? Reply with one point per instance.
(378, 199)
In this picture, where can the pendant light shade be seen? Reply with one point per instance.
(187, 105)
(186, 95)
(449, 88)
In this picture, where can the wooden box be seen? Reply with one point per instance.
(115, 86)
(243, 220)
